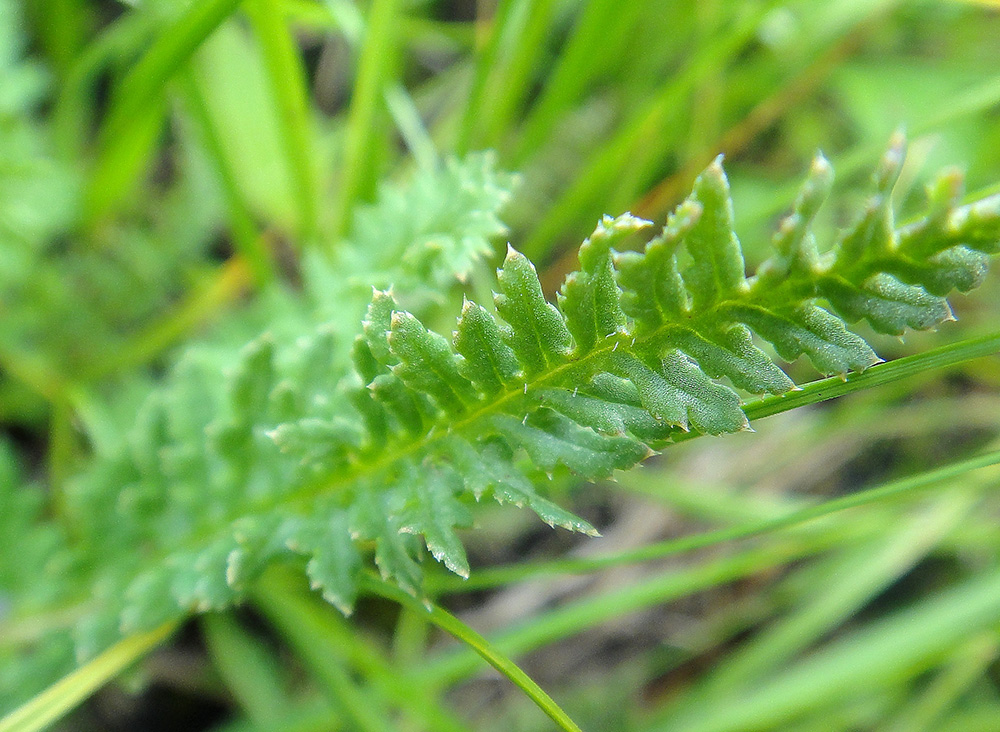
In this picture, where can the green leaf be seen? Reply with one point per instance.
(428, 365)
(589, 299)
(653, 288)
(307, 456)
(537, 333)
(887, 304)
(731, 353)
(488, 362)
(334, 562)
(812, 331)
(602, 412)
(717, 271)
(551, 438)
(680, 394)
(488, 467)
(434, 512)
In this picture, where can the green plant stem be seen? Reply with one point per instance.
(64, 695)
(883, 373)
(449, 623)
(603, 170)
(511, 88)
(486, 56)
(377, 56)
(323, 638)
(247, 666)
(288, 83)
(493, 577)
(72, 111)
(137, 103)
(576, 617)
(245, 236)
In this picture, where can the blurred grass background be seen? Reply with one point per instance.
(162, 163)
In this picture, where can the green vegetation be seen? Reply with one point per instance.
(261, 463)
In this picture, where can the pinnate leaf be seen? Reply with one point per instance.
(287, 451)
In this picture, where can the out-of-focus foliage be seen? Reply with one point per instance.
(180, 179)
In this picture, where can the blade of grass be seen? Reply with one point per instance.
(32, 371)
(129, 118)
(407, 118)
(74, 104)
(250, 672)
(576, 617)
(489, 34)
(519, 62)
(482, 647)
(311, 715)
(62, 25)
(898, 647)
(358, 171)
(364, 709)
(245, 236)
(288, 81)
(598, 34)
(601, 172)
(119, 163)
(322, 636)
(845, 582)
(656, 202)
(60, 698)
(966, 666)
(495, 576)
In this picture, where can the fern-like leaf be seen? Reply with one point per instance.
(338, 468)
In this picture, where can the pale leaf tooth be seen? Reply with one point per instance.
(338, 602)
(232, 565)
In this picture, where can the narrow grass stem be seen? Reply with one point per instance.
(883, 373)
(377, 56)
(488, 33)
(288, 82)
(63, 696)
(449, 623)
(493, 577)
(323, 638)
(247, 239)
(134, 110)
